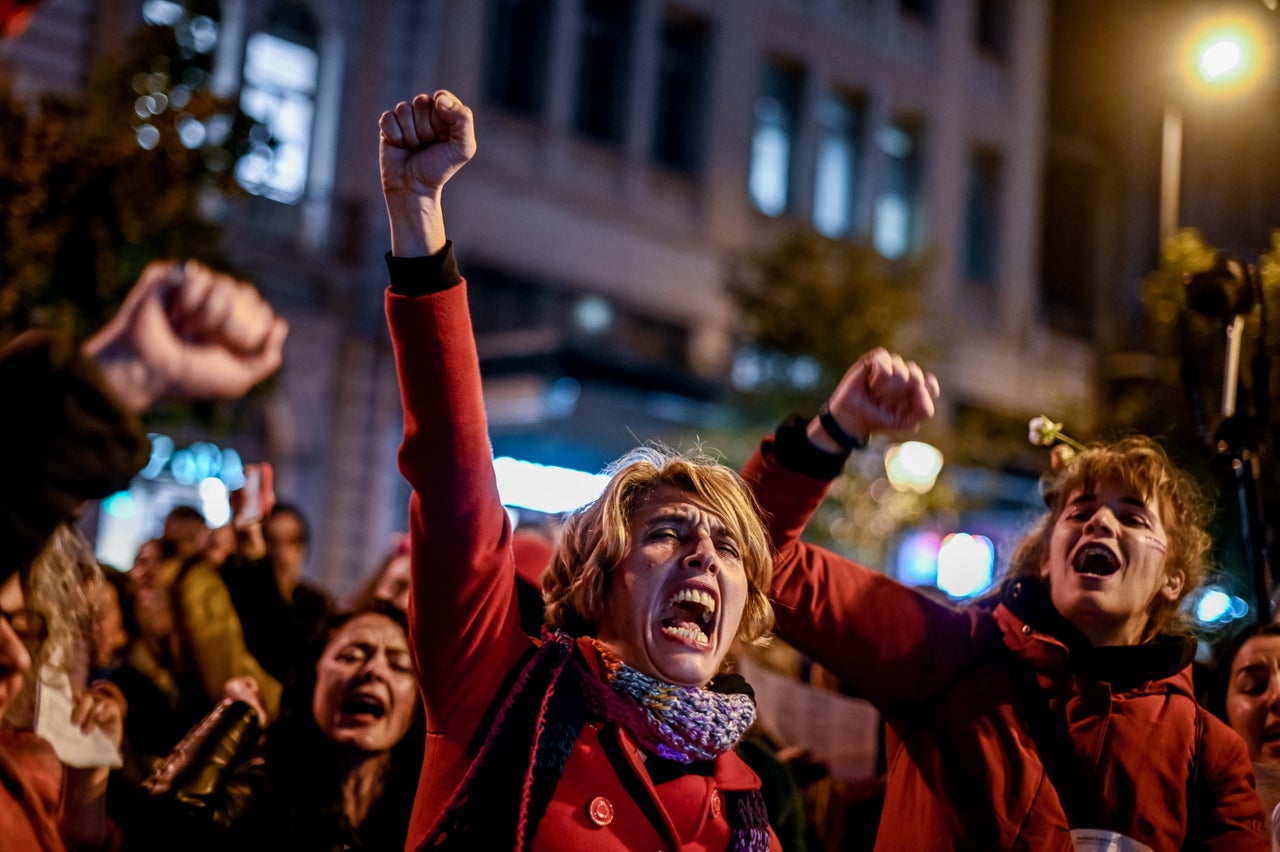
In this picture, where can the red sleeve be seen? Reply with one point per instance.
(889, 644)
(466, 633)
(1233, 813)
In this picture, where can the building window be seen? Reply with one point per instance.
(1069, 255)
(897, 205)
(603, 60)
(840, 121)
(519, 39)
(773, 142)
(992, 28)
(281, 69)
(920, 9)
(982, 217)
(682, 80)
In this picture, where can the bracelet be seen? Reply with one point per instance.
(836, 432)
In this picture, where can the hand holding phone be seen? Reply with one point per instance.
(255, 498)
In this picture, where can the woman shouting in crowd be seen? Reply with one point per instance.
(1059, 713)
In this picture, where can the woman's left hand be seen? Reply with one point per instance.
(101, 707)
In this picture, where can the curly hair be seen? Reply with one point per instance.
(1142, 465)
(596, 538)
(54, 587)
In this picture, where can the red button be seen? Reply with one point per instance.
(601, 811)
(715, 804)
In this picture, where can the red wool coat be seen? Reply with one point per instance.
(466, 633)
(965, 773)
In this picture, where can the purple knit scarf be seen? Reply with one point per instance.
(680, 723)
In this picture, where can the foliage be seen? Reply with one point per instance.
(810, 306)
(85, 205)
(823, 302)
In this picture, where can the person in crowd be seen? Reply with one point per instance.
(278, 608)
(531, 548)
(390, 580)
(616, 728)
(46, 804)
(185, 533)
(336, 770)
(1057, 714)
(108, 596)
(190, 644)
(220, 545)
(1244, 691)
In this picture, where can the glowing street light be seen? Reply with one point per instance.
(1220, 56)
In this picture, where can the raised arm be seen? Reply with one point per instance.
(890, 644)
(187, 332)
(466, 634)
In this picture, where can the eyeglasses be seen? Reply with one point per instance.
(27, 623)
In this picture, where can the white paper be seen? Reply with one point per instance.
(73, 746)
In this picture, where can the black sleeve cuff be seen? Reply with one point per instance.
(422, 276)
(794, 451)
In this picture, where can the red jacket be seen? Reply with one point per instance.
(964, 772)
(463, 614)
(30, 790)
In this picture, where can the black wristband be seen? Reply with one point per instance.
(793, 449)
(835, 432)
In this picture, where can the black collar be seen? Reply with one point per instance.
(1122, 666)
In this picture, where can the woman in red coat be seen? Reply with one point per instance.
(616, 729)
(1060, 714)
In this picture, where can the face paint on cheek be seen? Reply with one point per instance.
(1155, 543)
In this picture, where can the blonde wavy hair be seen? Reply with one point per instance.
(1143, 466)
(55, 587)
(596, 537)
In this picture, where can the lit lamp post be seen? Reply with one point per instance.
(1222, 56)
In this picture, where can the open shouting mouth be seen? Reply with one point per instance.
(689, 616)
(363, 706)
(1095, 559)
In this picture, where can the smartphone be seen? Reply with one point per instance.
(251, 508)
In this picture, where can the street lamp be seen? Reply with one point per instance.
(1219, 56)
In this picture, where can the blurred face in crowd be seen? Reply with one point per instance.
(393, 585)
(1106, 562)
(186, 536)
(151, 601)
(15, 657)
(366, 691)
(1253, 697)
(286, 545)
(220, 544)
(109, 636)
(673, 604)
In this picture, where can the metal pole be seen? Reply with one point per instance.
(1170, 173)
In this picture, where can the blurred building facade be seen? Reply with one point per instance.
(630, 151)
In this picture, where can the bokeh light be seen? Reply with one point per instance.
(913, 466)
